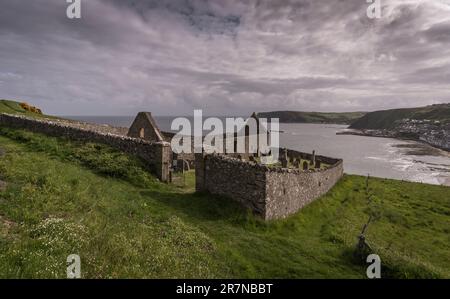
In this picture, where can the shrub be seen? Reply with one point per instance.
(25, 106)
(30, 108)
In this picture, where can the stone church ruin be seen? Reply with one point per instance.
(274, 191)
(271, 191)
(144, 127)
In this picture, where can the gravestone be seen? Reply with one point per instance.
(318, 164)
(284, 159)
(313, 158)
(305, 165)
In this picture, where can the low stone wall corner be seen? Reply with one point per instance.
(271, 193)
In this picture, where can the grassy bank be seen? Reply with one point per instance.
(13, 107)
(63, 197)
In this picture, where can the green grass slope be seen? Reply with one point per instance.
(313, 117)
(386, 119)
(64, 197)
(13, 107)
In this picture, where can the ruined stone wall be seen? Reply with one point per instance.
(156, 155)
(272, 193)
(240, 180)
(289, 190)
(292, 154)
(144, 127)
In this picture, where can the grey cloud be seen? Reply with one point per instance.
(227, 57)
(438, 33)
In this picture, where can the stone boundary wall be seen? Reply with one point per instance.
(289, 190)
(242, 181)
(272, 193)
(156, 155)
(292, 154)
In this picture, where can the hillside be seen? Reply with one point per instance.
(388, 119)
(430, 124)
(313, 117)
(59, 197)
(13, 107)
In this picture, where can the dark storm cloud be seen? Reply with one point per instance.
(438, 33)
(228, 57)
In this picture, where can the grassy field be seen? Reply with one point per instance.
(61, 197)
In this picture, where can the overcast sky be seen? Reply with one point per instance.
(226, 57)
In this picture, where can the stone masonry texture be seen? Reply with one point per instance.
(272, 193)
(156, 155)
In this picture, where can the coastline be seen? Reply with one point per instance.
(381, 134)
